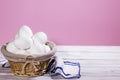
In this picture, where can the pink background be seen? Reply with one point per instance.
(66, 22)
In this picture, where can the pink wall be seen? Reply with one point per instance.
(67, 22)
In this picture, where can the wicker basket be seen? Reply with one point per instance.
(29, 65)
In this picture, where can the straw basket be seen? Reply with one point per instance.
(29, 65)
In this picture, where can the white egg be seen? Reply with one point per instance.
(23, 43)
(41, 37)
(20, 51)
(33, 50)
(16, 36)
(36, 49)
(11, 48)
(25, 31)
(40, 48)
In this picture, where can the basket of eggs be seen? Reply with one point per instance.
(28, 54)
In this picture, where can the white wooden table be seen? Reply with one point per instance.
(97, 63)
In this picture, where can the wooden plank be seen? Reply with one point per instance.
(12, 77)
(94, 62)
(105, 71)
(87, 55)
(99, 78)
(89, 71)
(89, 48)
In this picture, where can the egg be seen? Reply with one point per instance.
(20, 51)
(25, 31)
(41, 37)
(27, 43)
(16, 36)
(11, 48)
(36, 49)
(23, 43)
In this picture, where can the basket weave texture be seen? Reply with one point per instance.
(29, 65)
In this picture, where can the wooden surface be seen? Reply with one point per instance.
(97, 63)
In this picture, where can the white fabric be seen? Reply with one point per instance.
(65, 68)
(68, 69)
(2, 58)
(59, 61)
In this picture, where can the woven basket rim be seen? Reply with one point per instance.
(21, 57)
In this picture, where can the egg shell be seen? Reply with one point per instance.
(11, 48)
(23, 43)
(41, 37)
(25, 31)
(36, 49)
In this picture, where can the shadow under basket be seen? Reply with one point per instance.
(29, 65)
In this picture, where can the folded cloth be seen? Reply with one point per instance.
(2, 58)
(6, 65)
(66, 70)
